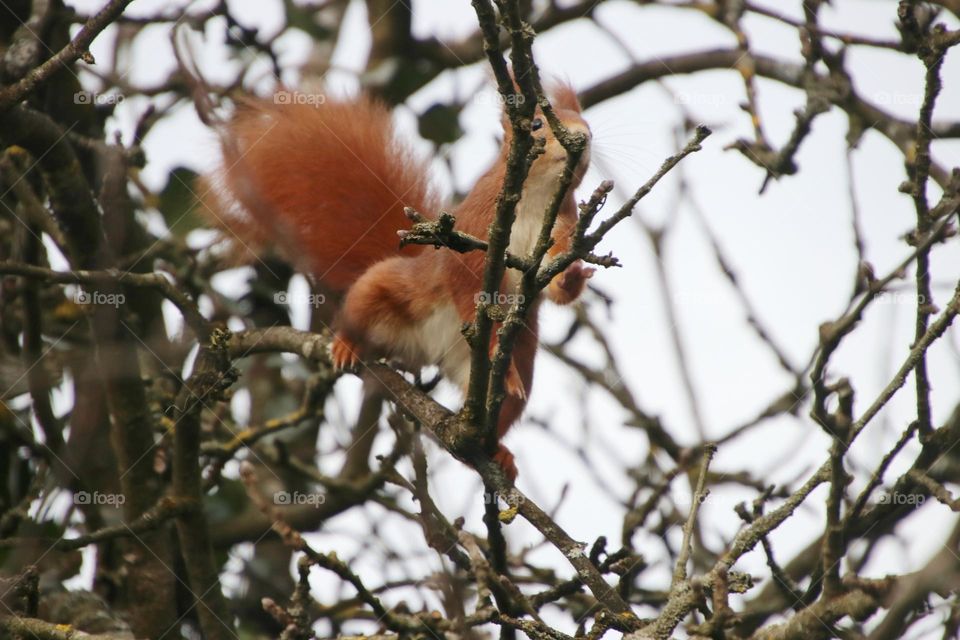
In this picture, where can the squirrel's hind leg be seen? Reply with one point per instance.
(396, 310)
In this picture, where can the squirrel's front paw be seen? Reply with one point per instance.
(343, 352)
(568, 286)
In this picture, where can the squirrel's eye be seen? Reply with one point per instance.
(536, 125)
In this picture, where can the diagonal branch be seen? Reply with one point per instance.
(75, 49)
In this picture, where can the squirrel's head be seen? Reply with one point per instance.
(563, 99)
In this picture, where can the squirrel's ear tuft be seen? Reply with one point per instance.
(563, 96)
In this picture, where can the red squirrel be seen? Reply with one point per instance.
(328, 183)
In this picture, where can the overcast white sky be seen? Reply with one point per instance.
(791, 247)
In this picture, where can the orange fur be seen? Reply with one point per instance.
(329, 184)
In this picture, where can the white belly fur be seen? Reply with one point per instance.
(533, 205)
(434, 341)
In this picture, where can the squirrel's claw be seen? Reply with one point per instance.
(343, 353)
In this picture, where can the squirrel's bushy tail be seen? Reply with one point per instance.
(325, 184)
